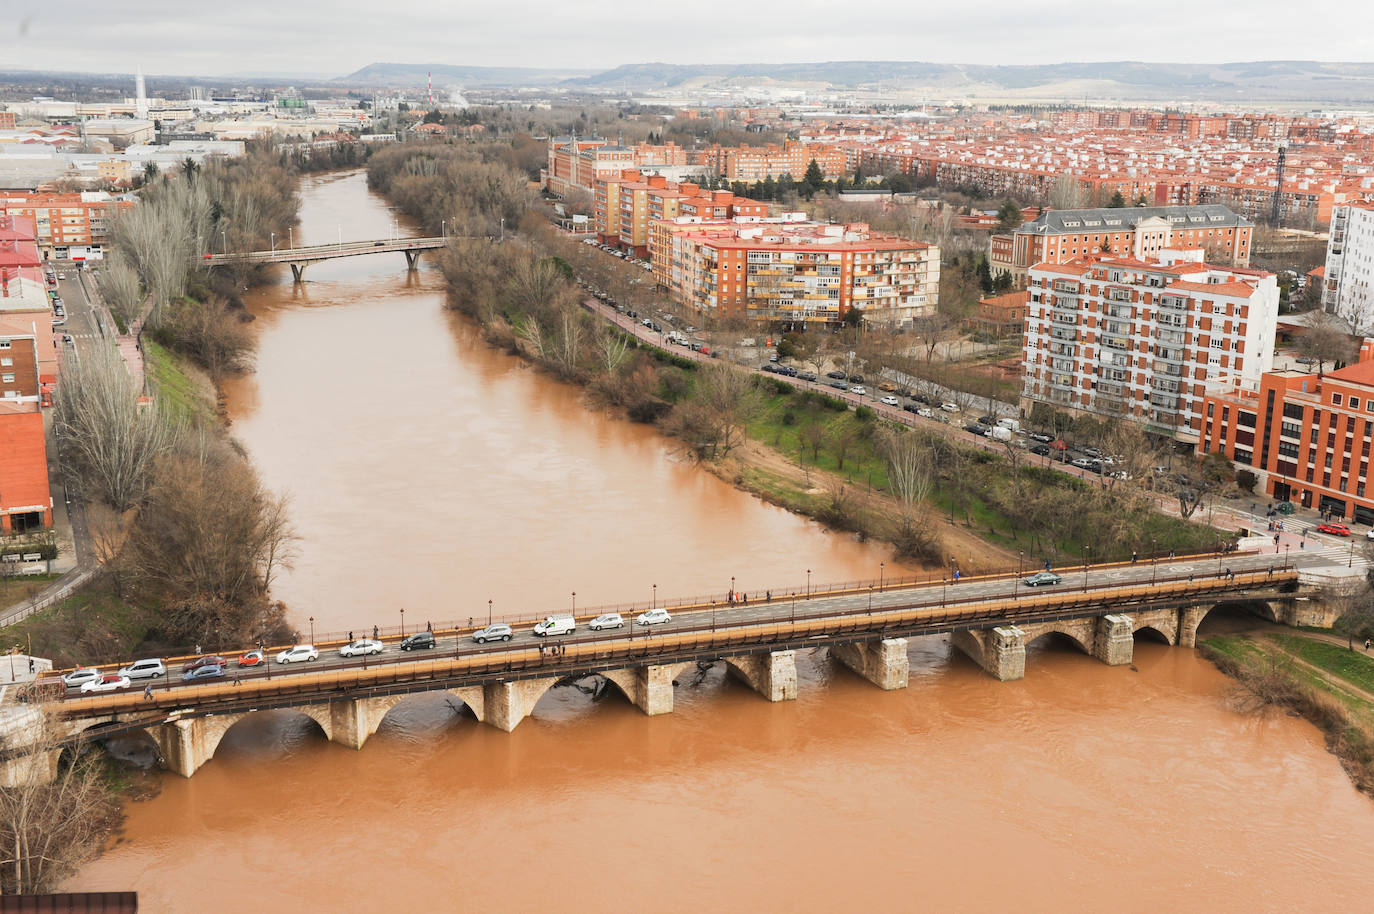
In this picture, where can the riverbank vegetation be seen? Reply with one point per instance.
(849, 469)
(1324, 683)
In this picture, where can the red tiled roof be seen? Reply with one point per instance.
(23, 460)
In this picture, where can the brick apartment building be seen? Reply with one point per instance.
(751, 164)
(1348, 278)
(1306, 436)
(577, 163)
(66, 225)
(795, 272)
(1001, 315)
(1142, 339)
(1060, 236)
(628, 205)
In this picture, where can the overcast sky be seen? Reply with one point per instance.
(335, 37)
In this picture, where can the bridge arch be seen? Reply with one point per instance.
(1079, 631)
(1191, 620)
(209, 732)
(458, 701)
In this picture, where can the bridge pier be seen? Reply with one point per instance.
(650, 688)
(181, 743)
(999, 651)
(298, 272)
(508, 703)
(1114, 643)
(773, 674)
(412, 258)
(884, 663)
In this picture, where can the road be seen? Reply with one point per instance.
(857, 599)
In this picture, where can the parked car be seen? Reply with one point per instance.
(1041, 450)
(207, 660)
(109, 682)
(1039, 436)
(299, 653)
(950, 407)
(1043, 579)
(144, 669)
(418, 641)
(837, 375)
(79, 677)
(360, 647)
(890, 401)
(1083, 463)
(856, 379)
(498, 631)
(653, 617)
(839, 385)
(860, 390)
(887, 386)
(922, 398)
(912, 408)
(253, 658)
(201, 673)
(926, 412)
(607, 620)
(1334, 529)
(807, 376)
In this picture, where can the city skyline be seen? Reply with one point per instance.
(333, 41)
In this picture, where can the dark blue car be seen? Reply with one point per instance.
(209, 671)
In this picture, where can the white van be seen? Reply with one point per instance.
(556, 625)
(1010, 424)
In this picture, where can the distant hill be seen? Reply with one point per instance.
(405, 74)
(1252, 81)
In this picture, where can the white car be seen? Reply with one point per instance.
(890, 401)
(497, 631)
(925, 412)
(79, 677)
(144, 669)
(653, 617)
(607, 620)
(861, 391)
(298, 653)
(949, 407)
(360, 647)
(1369, 534)
(106, 683)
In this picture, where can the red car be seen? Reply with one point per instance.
(252, 658)
(1334, 529)
(207, 660)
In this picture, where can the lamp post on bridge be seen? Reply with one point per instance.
(312, 630)
(880, 575)
(654, 605)
(574, 602)
(443, 229)
(223, 242)
(1087, 563)
(272, 242)
(488, 612)
(290, 237)
(808, 583)
(731, 596)
(403, 621)
(1020, 564)
(870, 599)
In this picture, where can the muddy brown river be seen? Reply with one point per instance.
(428, 472)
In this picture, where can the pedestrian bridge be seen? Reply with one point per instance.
(991, 619)
(300, 258)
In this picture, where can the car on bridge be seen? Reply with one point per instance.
(80, 676)
(109, 682)
(207, 660)
(497, 631)
(151, 668)
(201, 673)
(360, 647)
(253, 658)
(653, 617)
(1334, 529)
(298, 653)
(607, 620)
(1043, 579)
(417, 641)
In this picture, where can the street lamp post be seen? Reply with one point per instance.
(880, 575)
(443, 229)
(732, 590)
(870, 599)
(808, 583)
(290, 237)
(488, 612)
(403, 621)
(1087, 563)
(312, 629)
(1020, 565)
(1287, 546)
(574, 602)
(654, 604)
(1350, 563)
(223, 242)
(273, 241)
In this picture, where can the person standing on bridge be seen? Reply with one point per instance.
(148, 692)
(956, 575)
(429, 627)
(374, 633)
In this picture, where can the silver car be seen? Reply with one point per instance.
(499, 631)
(79, 677)
(151, 668)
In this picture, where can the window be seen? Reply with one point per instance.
(1354, 403)
(1335, 399)
(4, 344)
(7, 378)
(6, 362)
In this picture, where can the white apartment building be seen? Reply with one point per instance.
(1348, 286)
(1142, 339)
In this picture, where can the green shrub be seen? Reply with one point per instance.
(864, 413)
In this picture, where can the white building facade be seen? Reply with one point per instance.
(1348, 285)
(1142, 339)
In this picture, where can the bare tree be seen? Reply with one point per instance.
(1067, 193)
(49, 830)
(119, 284)
(812, 438)
(1324, 340)
(612, 347)
(109, 439)
(1350, 602)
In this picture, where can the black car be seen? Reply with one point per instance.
(839, 385)
(922, 398)
(807, 376)
(837, 375)
(418, 640)
(787, 370)
(988, 420)
(1041, 450)
(976, 428)
(911, 407)
(856, 378)
(770, 368)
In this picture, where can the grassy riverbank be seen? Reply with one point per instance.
(1327, 684)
